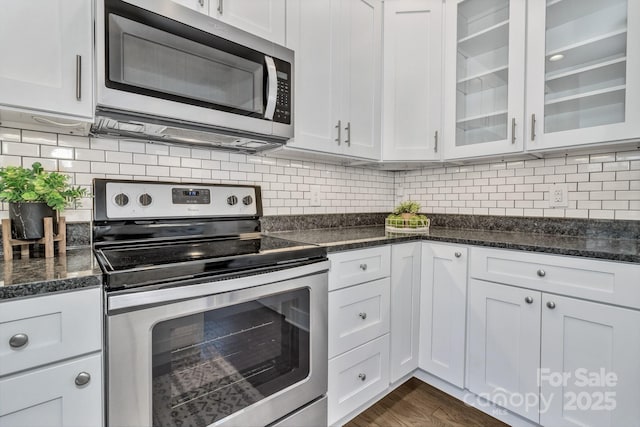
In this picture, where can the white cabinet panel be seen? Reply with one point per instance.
(264, 18)
(357, 376)
(50, 396)
(412, 79)
(201, 6)
(358, 314)
(581, 339)
(46, 50)
(484, 77)
(504, 344)
(405, 308)
(312, 32)
(52, 328)
(583, 62)
(358, 266)
(443, 311)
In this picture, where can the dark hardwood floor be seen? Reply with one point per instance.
(417, 404)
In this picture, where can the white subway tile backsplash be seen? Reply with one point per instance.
(43, 138)
(9, 134)
(20, 149)
(56, 152)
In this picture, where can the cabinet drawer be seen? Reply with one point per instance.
(50, 395)
(45, 329)
(604, 281)
(357, 376)
(358, 314)
(353, 267)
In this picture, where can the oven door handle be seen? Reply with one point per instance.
(272, 87)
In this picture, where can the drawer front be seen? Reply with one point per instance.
(353, 267)
(357, 376)
(50, 395)
(46, 329)
(604, 281)
(358, 314)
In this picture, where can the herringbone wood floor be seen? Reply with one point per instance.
(417, 404)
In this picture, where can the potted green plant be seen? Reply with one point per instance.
(33, 194)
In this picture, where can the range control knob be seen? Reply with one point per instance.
(247, 200)
(145, 199)
(232, 200)
(121, 199)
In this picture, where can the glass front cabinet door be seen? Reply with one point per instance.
(583, 72)
(484, 77)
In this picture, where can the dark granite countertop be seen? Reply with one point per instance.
(35, 276)
(341, 239)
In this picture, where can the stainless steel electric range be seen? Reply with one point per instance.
(208, 321)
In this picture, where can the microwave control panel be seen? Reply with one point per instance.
(283, 99)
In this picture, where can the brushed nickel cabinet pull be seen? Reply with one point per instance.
(220, 6)
(339, 127)
(78, 77)
(348, 129)
(533, 127)
(513, 130)
(435, 144)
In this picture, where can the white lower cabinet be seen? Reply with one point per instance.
(51, 360)
(504, 344)
(357, 376)
(443, 307)
(405, 308)
(65, 394)
(597, 348)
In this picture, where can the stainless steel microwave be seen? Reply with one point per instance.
(169, 73)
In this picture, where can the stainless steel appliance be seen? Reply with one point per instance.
(171, 74)
(208, 321)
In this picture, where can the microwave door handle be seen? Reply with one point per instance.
(272, 88)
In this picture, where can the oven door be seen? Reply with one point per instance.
(159, 58)
(245, 357)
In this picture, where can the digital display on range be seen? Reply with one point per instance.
(190, 196)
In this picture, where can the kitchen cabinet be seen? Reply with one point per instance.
(50, 359)
(359, 325)
(443, 308)
(504, 344)
(519, 328)
(583, 63)
(484, 77)
(337, 79)
(405, 309)
(67, 394)
(46, 68)
(201, 6)
(412, 80)
(583, 338)
(264, 18)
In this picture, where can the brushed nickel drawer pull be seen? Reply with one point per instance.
(363, 316)
(362, 376)
(18, 340)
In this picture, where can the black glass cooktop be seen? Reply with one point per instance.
(135, 264)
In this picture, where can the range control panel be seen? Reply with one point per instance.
(137, 200)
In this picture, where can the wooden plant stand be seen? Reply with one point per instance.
(8, 243)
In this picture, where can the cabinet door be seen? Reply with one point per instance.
(312, 32)
(201, 6)
(46, 46)
(264, 18)
(443, 305)
(412, 79)
(51, 396)
(582, 340)
(405, 308)
(361, 60)
(484, 77)
(583, 83)
(504, 346)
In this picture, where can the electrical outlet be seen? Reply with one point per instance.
(315, 196)
(558, 195)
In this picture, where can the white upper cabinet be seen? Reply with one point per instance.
(583, 82)
(412, 79)
(46, 50)
(264, 18)
(201, 6)
(312, 32)
(484, 77)
(337, 75)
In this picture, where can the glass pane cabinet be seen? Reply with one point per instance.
(582, 78)
(487, 53)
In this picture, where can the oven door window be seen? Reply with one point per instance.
(207, 366)
(180, 63)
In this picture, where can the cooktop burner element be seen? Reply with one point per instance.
(157, 233)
